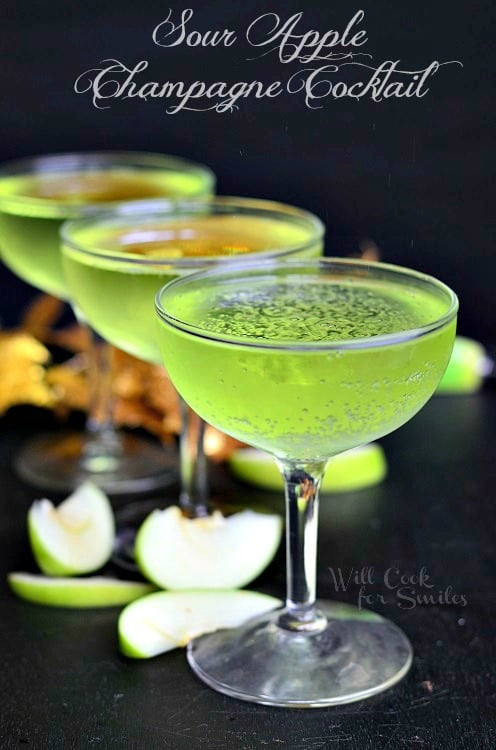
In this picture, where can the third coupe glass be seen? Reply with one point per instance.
(305, 360)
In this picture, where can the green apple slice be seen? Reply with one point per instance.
(77, 536)
(170, 619)
(352, 470)
(468, 365)
(97, 591)
(213, 552)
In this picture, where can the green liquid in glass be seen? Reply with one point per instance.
(33, 207)
(115, 287)
(304, 404)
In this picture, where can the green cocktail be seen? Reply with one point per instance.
(305, 360)
(36, 196)
(318, 401)
(115, 264)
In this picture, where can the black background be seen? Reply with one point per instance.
(415, 176)
(412, 174)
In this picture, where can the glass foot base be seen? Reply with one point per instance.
(356, 656)
(55, 462)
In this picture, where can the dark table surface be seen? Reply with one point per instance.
(64, 684)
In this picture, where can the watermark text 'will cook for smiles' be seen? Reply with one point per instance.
(404, 590)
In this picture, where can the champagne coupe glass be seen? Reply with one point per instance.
(305, 359)
(115, 263)
(36, 196)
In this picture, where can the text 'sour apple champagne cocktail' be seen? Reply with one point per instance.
(36, 196)
(306, 360)
(115, 264)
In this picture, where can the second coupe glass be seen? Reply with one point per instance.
(115, 264)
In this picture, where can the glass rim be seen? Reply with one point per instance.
(132, 213)
(74, 161)
(367, 342)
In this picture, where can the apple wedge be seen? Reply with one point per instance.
(170, 619)
(213, 552)
(77, 536)
(76, 593)
(469, 364)
(352, 470)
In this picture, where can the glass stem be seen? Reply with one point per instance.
(302, 483)
(102, 444)
(193, 464)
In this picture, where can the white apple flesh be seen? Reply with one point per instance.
(74, 538)
(213, 552)
(170, 619)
